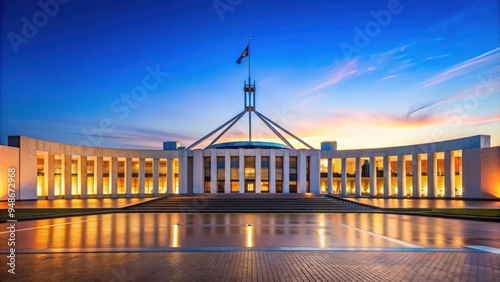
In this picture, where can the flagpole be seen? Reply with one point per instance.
(250, 96)
(249, 53)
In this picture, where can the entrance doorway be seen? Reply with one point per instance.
(250, 187)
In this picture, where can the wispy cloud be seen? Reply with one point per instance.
(378, 120)
(490, 87)
(429, 119)
(483, 120)
(403, 65)
(356, 119)
(379, 59)
(342, 72)
(489, 58)
(346, 69)
(137, 137)
(383, 120)
(389, 77)
(438, 56)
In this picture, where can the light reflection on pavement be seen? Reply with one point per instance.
(161, 230)
(428, 203)
(76, 203)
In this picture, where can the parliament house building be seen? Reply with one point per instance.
(462, 168)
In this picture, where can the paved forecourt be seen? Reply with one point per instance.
(258, 266)
(251, 247)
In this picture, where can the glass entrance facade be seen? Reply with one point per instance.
(250, 174)
(264, 175)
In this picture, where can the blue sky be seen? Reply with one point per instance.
(131, 74)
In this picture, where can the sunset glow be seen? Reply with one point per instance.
(132, 74)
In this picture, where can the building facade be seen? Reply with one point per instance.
(460, 168)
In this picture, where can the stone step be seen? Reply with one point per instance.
(244, 203)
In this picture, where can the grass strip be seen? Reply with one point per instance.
(23, 213)
(470, 212)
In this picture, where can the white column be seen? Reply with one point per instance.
(387, 176)
(142, 170)
(286, 172)
(98, 177)
(156, 176)
(82, 176)
(301, 172)
(213, 171)
(431, 175)
(242, 170)
(314, 172)
(358, 177)
(128, 177)
(258, 176)
(449, 174)
(113, 177)
(401, 176)
(66, 175)
(272, 172)
(227, 171)
(329, 176)
(183, 172)
(343, 174)
(48, 175)
(198, 172)
(170, 175)
(416, 171)
(373, 177)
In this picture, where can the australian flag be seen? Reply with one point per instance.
(243, 55)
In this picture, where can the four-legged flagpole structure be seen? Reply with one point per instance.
(249, 99)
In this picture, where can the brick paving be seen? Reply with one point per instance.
(257, 266)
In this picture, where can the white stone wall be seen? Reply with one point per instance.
(9, 158)
(490, 172)
(472, 173)
(471, 166)
(481, 166)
